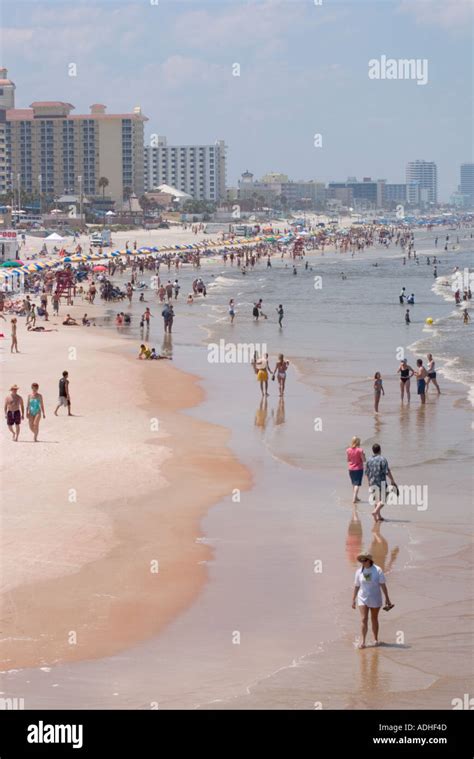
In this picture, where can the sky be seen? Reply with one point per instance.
(302, 71)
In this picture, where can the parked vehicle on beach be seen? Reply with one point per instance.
(101, 239)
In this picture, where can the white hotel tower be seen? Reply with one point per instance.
(199, 170)
(422, 182)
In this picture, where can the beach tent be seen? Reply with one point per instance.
(54, 237)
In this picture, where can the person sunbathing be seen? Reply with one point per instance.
(70, 322)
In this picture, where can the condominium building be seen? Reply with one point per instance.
(277, 187)
(50, 150)
(422, 182)
(466, 186)
(7, 101)
(394, 193)
(198, 170)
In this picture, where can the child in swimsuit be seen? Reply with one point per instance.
(378, 390)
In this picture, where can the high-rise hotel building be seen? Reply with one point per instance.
(48, 149)
(199, 170)
(422, 182)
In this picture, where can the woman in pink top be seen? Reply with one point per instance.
(356, 460)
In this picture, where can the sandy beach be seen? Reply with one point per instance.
(103, 495)
(133, 494)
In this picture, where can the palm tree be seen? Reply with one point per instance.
(103, 183)
(127, 194)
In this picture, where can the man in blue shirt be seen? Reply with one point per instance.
(377, 471)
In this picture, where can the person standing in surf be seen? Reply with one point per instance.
(369, 584)
(405, 372)
(432, 373)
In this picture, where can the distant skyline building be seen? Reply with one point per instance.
(466, 184)
(422, 182)
(198, 170)
(276, 187)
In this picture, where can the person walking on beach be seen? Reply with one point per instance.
(14, 344)
(404, 372)
(64, 396)
(14, 410)
(407, 316)
(146, 317)
(281, 369)
(421, 375)
(369, 584)
(231, 310)
(402, 296)
(431, 373)
(465, 316)
(356, 460)
(34, 409)
(55, 300)
(378, 390)
(281, 314)
(377, 471)
(262, 369)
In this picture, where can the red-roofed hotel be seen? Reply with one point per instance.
(49, 147)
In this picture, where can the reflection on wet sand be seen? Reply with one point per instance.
(167, 345)
(354, 539)
(279, 414)
(369, 672)
(261, 414)
(379, 550)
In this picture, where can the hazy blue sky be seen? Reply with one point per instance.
(303, 70)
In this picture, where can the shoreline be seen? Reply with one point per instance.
(103, 553)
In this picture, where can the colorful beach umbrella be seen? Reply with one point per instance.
(99, 267)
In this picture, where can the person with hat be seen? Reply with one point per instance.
(14, 411)
(369, 584)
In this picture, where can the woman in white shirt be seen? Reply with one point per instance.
(369, 583)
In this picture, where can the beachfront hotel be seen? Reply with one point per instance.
(466, 186)
(51, 151)
(422, 182)
(198, 170)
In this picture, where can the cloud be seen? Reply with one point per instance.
(453, 15)
(242, 25)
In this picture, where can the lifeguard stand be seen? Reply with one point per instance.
(64, 286)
